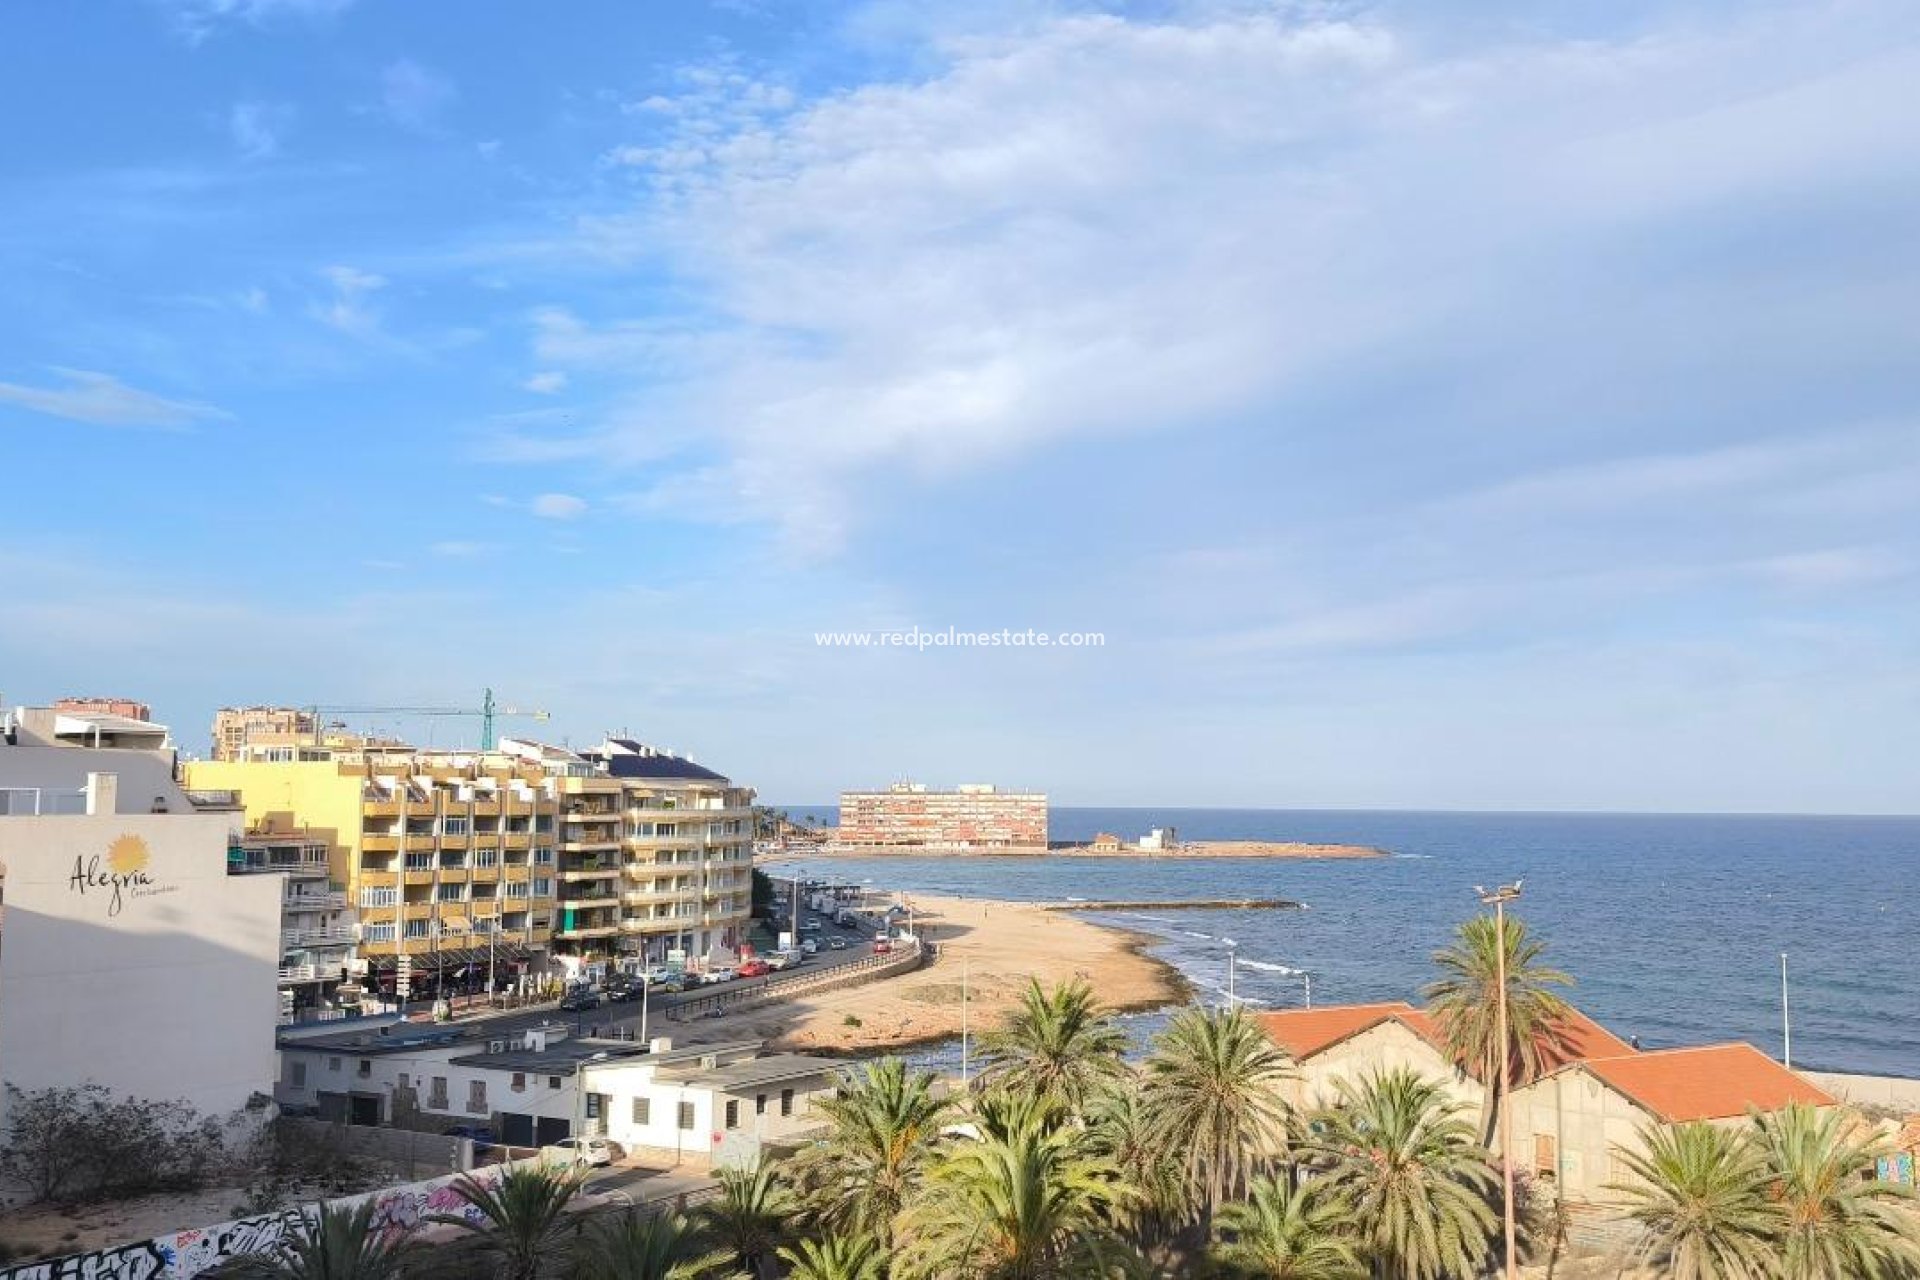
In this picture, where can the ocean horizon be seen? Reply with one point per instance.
(1672, 925)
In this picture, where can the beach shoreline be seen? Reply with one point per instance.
(993, 946)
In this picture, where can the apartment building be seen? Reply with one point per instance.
(447, 858)
(236, 727)
(128, 956)
(317, 928)
(972, 816)
(656, 856)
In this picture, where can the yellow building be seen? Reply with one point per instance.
(449, 858)
(523, 860)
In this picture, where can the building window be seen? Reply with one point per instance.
(454, 826)
(593, 1105)
(333, 1064)
(297, 1073)
(519, 1081)
(686, 1116)
(437, 1096)
(403, 1079)
(543, 888)
(477, 1097)
(760, 1104)
(364, 1068)
(786, 1102)
(733, 1113)
(643, 1111)
(553, 1082)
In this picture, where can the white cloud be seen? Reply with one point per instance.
(547, 382)
(558, 506)
(195, 20)
(256, 128)
(103, 399)
(347, 309)
(1096, 226)
(415, 96)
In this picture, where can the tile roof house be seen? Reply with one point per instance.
(1347, 1041)
(1571, 1124)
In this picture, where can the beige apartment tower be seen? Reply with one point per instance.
(972, 816)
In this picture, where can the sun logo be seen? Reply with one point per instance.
(127, 855)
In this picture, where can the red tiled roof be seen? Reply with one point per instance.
(1711, 1082)
(1305, 1032)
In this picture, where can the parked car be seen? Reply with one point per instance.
(755, 969)
(836, 944)
(596, 1152)
(809, 946)
(881, 946)
(714, 976)
(574, 1001)
(810, 925)
(660, 973)
(625, 992)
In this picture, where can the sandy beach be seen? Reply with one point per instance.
(1000, 945)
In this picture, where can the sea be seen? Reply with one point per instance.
(1672, 926)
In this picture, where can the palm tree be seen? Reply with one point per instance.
(1465, 1003)
(1284, 1231)
(1839, 1220)
(750, 1218)
(835, 1258)
(638, 1245)
(1121, 1129)
(1061, 1042)
(332, 1244)
(1701, 1195)
(1029, 1205)
(885, 1128)
(523, 1222)
(1213, 1089)
(1408, 1170)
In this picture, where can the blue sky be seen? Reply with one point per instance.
(1434, 405)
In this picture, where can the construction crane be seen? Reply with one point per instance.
(488, 710)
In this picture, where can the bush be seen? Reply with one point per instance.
(80, 1142)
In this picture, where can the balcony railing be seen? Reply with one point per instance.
(339, 936)
(313, 902)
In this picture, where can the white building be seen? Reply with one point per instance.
(704, 1104)
(128, 957)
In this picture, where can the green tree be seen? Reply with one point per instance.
(1029, 1205)
(835, 1257)
(1121, 1129)
(1061, 1043)
(1839, 1223)
(1465, 1002)
(523, 1229)
(1285, 1231)
(1701, 1194)
(1212, 1087)
(751, 1216)
(332, 1244)
(635, 1244)
(885, 1127)
(1419, 1188)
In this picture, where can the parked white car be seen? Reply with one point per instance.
(596, 1152)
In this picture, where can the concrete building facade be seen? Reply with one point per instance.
(908, 815)
(128, 957)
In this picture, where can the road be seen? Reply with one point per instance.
(624, 1018)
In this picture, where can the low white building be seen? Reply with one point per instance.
(708, 1103)
(128, 957)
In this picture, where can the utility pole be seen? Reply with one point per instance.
(1786, 1020)
(965, 1058)
(1233, 949)
(1498, 900)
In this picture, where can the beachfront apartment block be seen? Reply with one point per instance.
(510, 865)
(909, 815)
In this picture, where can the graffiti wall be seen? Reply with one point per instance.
(182, 1255)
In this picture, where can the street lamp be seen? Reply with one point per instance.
(1498, 900)
(1233, 949)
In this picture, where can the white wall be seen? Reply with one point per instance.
(171, 994)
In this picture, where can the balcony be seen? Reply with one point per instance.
(515, 839)
(330, 901)
(588, 931)
(385, 807)
(586, 904)
(379, 879)
(591, 815)
(418, 910)
(416, 877)
(589, 842)
(338, 936)
(608, 871)
(379, 843)
(291, 973)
